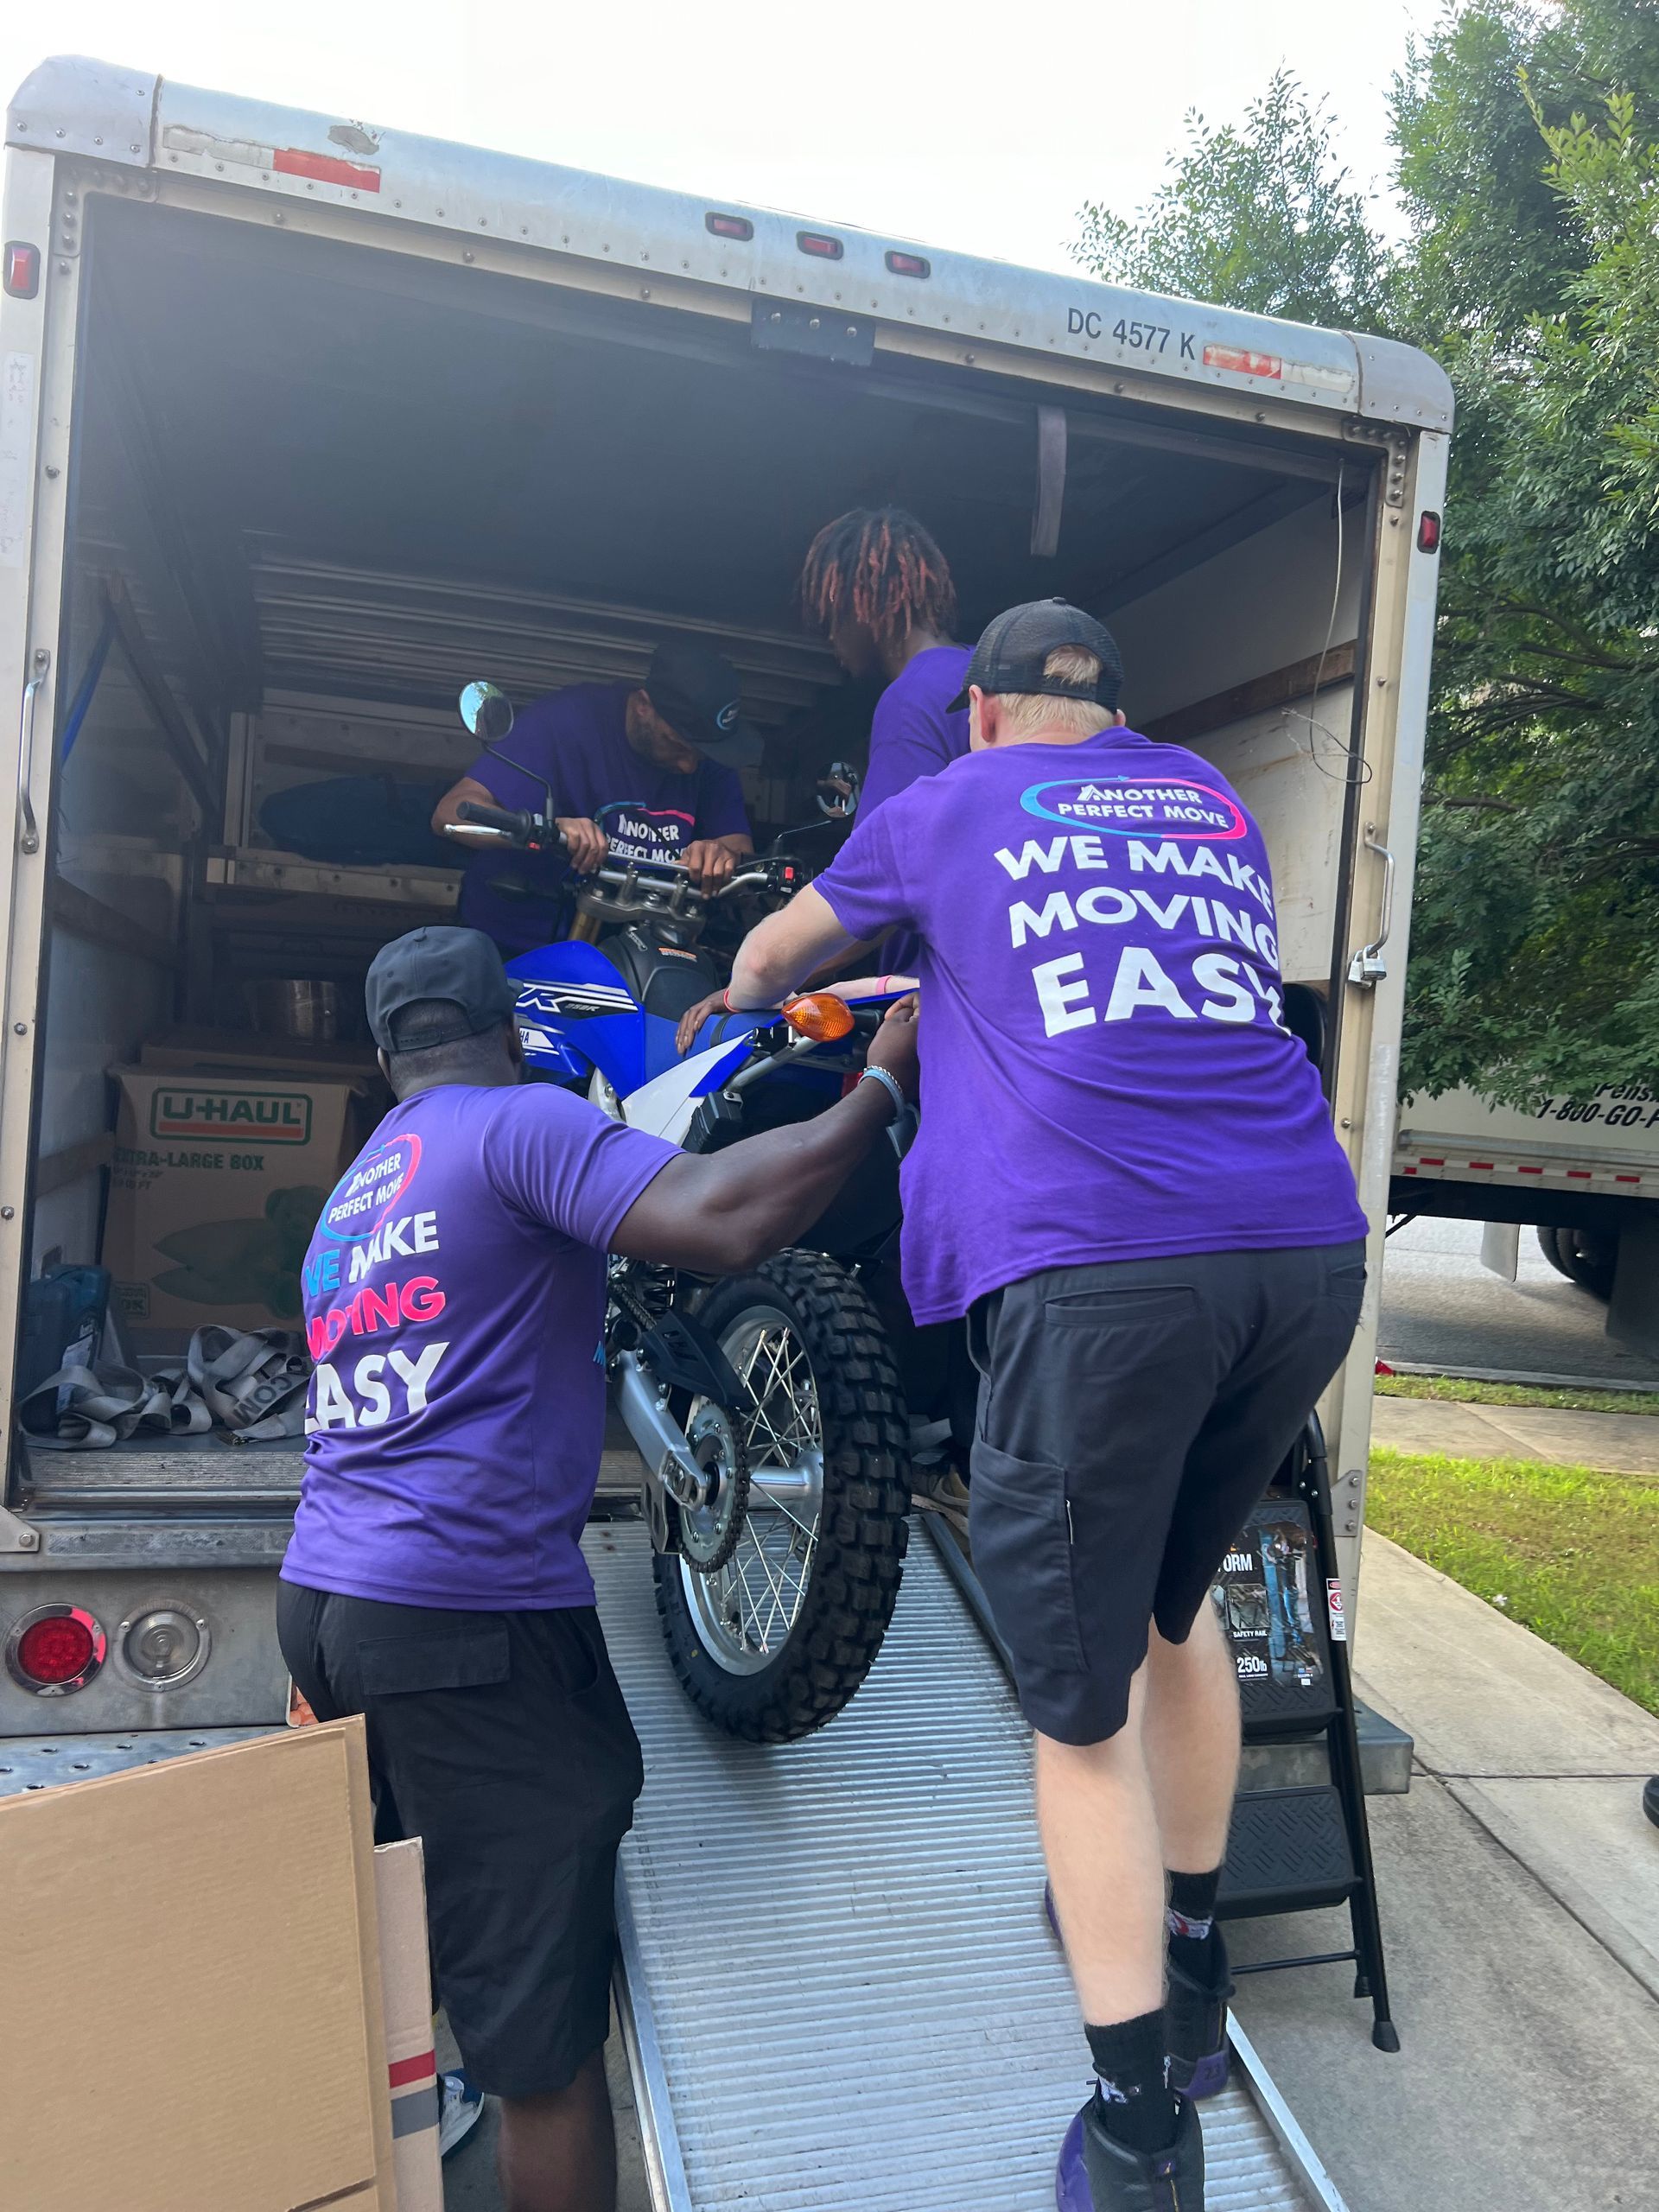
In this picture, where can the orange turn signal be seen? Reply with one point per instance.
(820, 1015)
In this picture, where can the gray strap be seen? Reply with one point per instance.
(252, 1383)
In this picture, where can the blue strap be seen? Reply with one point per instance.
(83, 699)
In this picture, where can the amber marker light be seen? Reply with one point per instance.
(821, 1016)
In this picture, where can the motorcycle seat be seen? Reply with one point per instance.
(664, 979)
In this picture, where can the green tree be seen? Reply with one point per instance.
(1533, 269)
(1526, 162)
(1257, 216)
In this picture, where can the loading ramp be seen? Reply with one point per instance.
(836, 1982)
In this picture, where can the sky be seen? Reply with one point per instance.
(981, 127)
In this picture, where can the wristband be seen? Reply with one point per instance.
(726, 1000)
(889, 1084)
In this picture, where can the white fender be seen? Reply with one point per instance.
(665, 1106)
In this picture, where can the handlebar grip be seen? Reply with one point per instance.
(515, 822)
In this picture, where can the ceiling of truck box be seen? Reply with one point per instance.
(350, 473)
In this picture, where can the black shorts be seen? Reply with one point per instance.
(1130, 1415)
(502, 1741)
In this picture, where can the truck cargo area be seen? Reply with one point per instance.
(318, 486)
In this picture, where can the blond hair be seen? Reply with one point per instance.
(1025, 711)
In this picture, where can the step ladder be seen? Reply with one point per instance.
(836, 1981)
(1294, 1850)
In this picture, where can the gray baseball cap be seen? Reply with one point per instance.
(1010, 656)
(460, 967)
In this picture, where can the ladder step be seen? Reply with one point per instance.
(1288, 1852)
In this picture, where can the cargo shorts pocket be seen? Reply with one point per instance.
(391, 1666)
(1020, 1527)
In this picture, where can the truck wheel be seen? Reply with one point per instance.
(1583, 1257)
(773, 1642)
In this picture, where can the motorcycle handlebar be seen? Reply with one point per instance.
(751, 879)
(507, 822)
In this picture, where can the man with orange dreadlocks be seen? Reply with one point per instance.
(878, 587)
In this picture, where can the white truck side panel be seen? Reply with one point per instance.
(1607, 1143)
(500, 197)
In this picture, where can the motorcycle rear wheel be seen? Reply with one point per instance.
(773, 1644)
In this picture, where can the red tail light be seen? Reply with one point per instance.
(819, 243)
(729, 226)
(20, 266)
(54, 1649)
(909, 264)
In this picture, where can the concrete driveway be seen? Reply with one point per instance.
(1442, 1309)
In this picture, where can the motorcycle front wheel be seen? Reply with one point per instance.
(772, 1644)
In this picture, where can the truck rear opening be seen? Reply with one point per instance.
(303, 451)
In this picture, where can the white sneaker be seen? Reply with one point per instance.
(460, 2106)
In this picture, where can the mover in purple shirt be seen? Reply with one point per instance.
(638, 771)
(1126, 1179)
(879, 587)
(455, 1301)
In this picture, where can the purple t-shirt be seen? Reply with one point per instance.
(454, 1302)
(912, 735)
(578, 740)
(1106, 1074)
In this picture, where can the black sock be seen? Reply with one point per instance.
(1191, 1920)
(1136, 2103)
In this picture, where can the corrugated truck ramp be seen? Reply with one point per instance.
(837, 1984)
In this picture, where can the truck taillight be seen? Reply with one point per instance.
(1429, 531)
(19, 264)
(909, 264)
(820, 244)
(54, 1649)
(728, 226)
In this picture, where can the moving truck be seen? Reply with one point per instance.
(1583, 1171)
(303, 423)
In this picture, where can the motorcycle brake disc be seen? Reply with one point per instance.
(709, 1534)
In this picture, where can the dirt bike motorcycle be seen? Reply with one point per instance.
(769, 1409)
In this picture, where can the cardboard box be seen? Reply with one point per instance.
(406, 1991)
(193, 2010)
(217, 1185)
(217, 1051)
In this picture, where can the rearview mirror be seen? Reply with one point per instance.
(838, 791)
(487, 712)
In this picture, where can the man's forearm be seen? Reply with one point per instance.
(781, 951)
(722, 1212)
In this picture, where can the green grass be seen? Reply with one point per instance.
(1459, 1391)
(1570, 1553)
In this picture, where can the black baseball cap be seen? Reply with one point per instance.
(694, 690)
(1011, 654)
(459, 967)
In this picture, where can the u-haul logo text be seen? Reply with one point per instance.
(278, 1116)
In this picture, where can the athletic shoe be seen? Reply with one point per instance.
(1650, 1799)
(460, 2106)
(1196, 2024)
(1096, 2174)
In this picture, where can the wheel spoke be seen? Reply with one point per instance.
(754, 1601)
